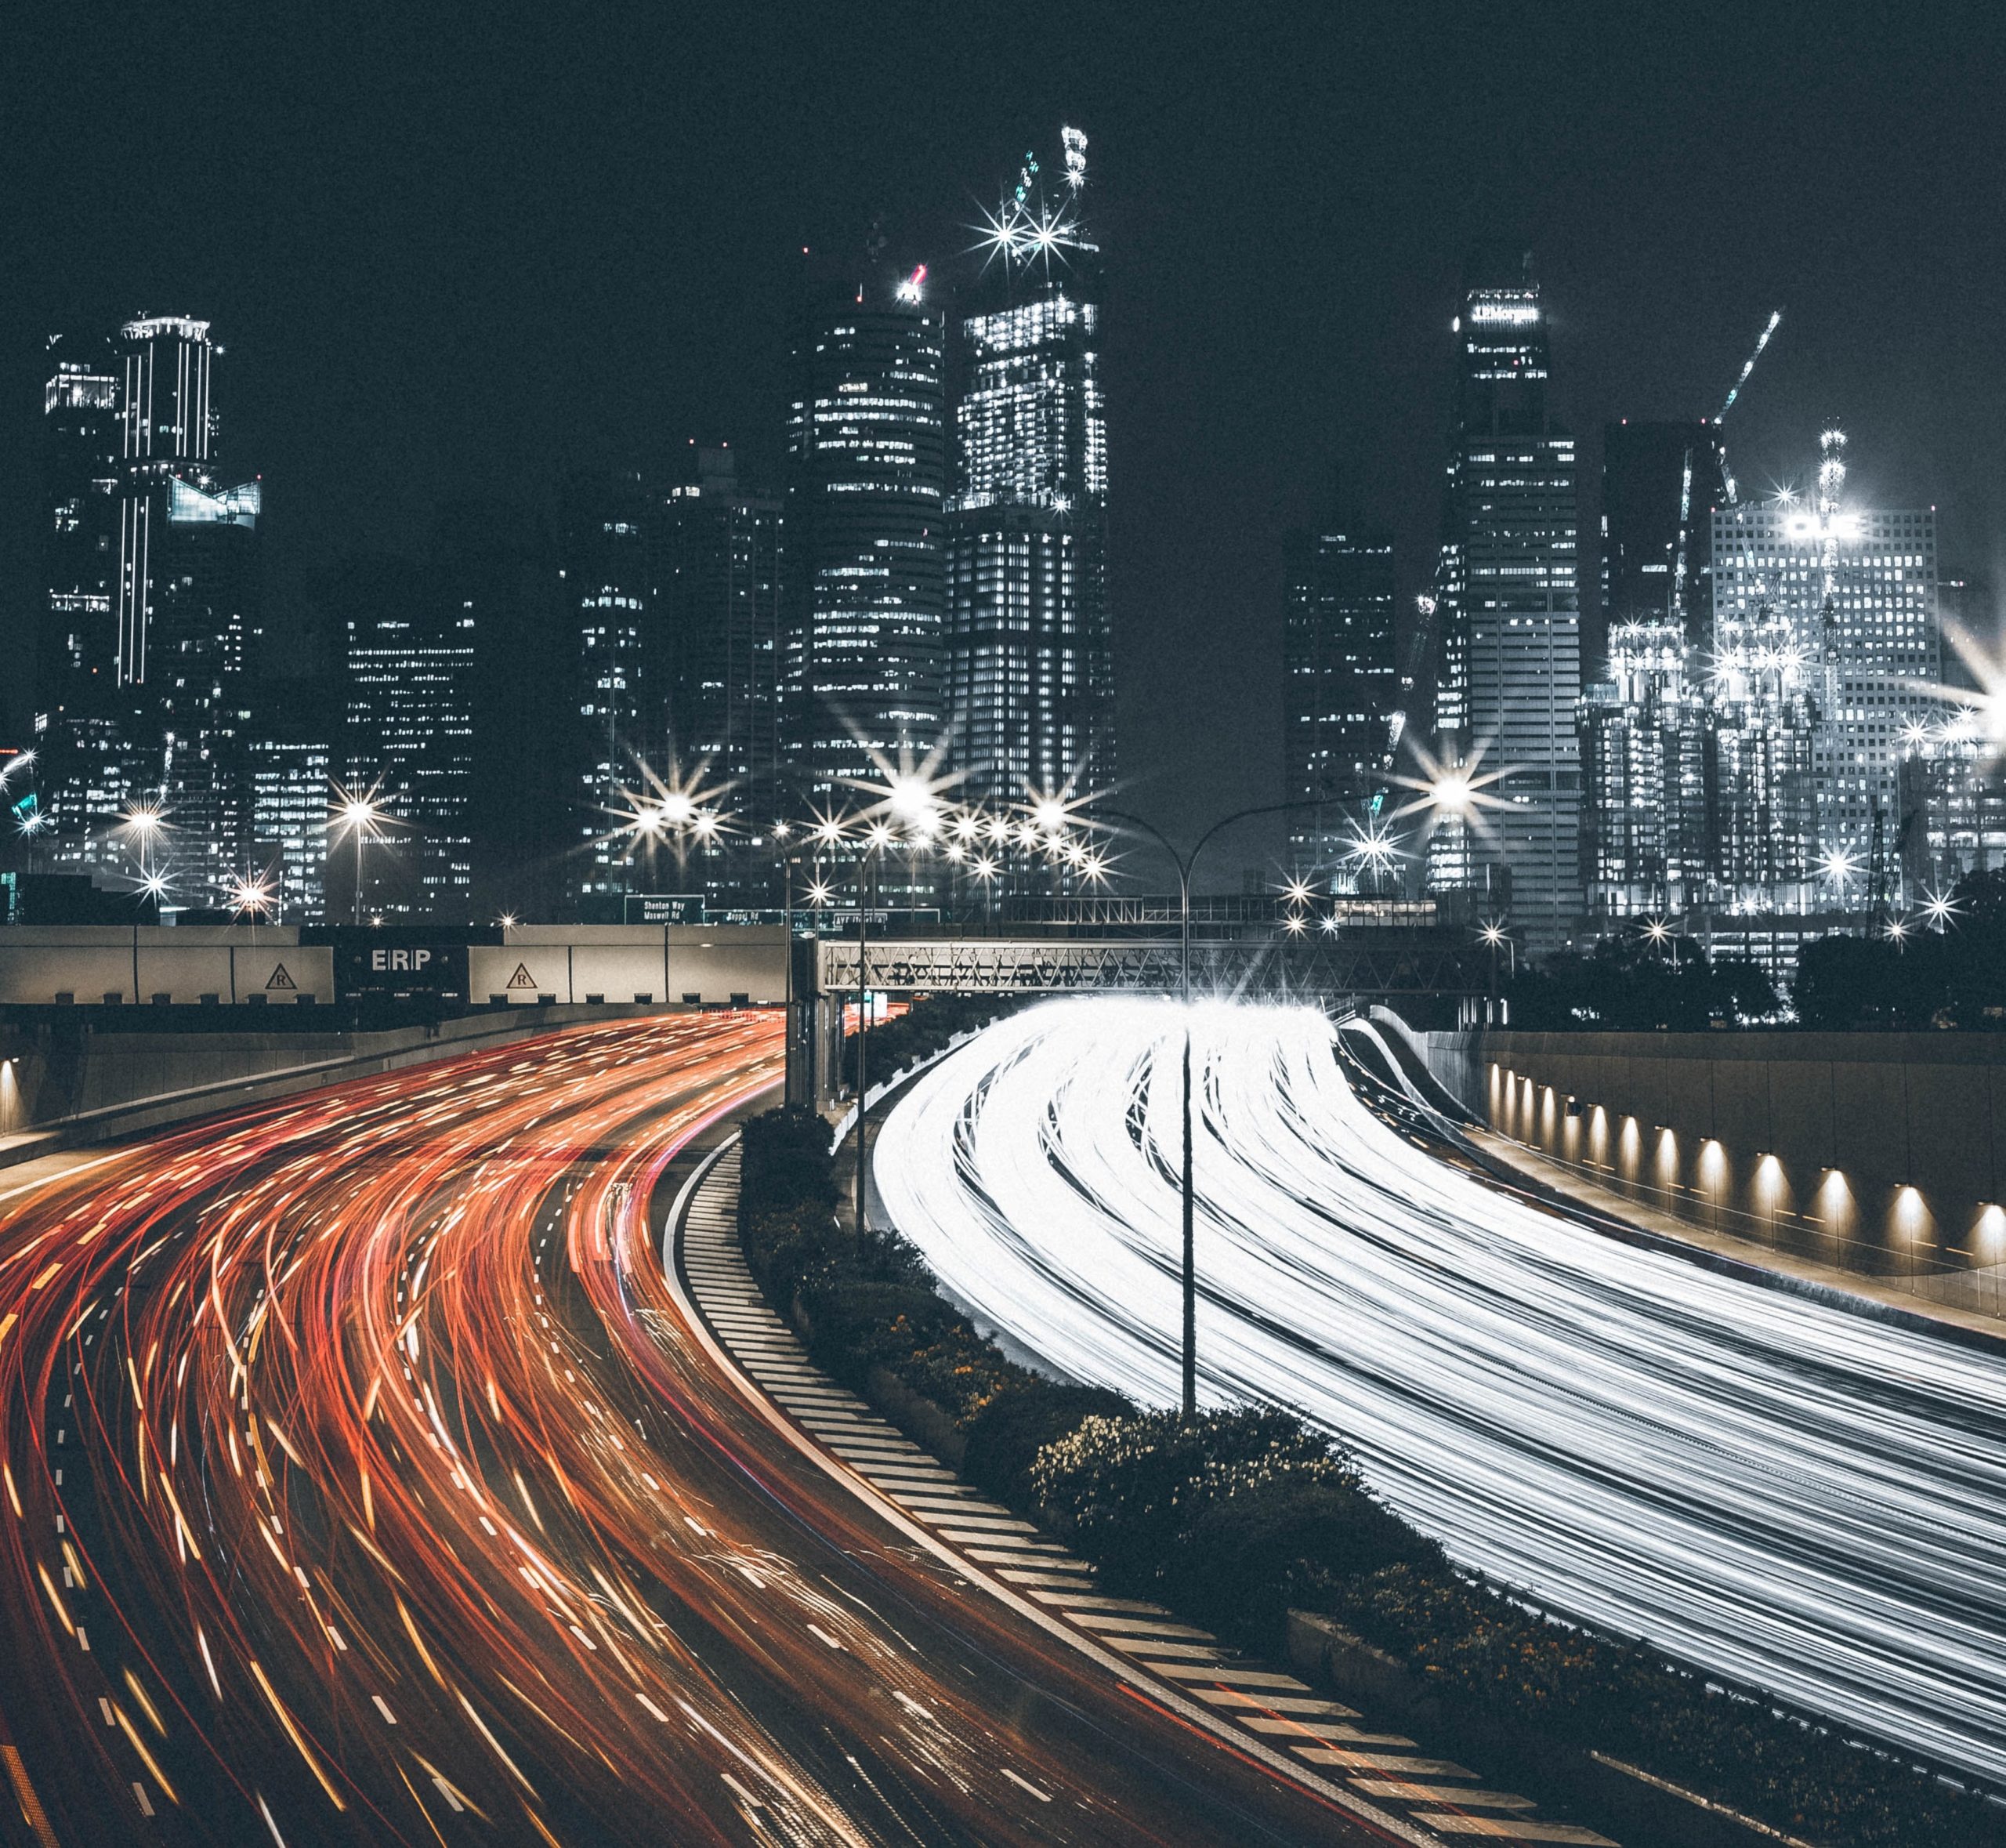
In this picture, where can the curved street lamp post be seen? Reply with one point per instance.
(1184, 862)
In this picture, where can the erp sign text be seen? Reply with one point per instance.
(387, 961)
(400, 964)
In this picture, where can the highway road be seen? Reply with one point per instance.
(362, 1483)
(1796, 1497)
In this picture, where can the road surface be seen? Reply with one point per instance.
(363, 1485)
(1796, 1497)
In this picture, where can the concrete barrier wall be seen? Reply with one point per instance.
(90, 965)
(85, 1086)
(709, 966)
(1883, 1151)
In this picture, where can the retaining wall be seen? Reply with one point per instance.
(1884, 1152)
(58, 1091)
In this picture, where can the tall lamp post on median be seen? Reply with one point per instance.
(1184, 862)
(357, 815)
(876, 838)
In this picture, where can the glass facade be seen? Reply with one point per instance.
(1644, 833)
(605, 589)
(867, 485)
(717, 588)
(82, 717)
(408, 737)
(1030, 677)
(1856, 590)
(1340, 690)
(1510, 611)
(153, 611)
(290, 788)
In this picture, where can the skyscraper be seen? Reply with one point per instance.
(1510, 611)
(291, 771)
(186, 602)
(718, 589)
(79, 718)
(202, 628)
(1857, 589)
(495, 574)
(1339, 688)
(606, 573)
(168, 432)
(1030, 674)
(1761, 725)
(866, 483)
(1644, 833)
(409, 736)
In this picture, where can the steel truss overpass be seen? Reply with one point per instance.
(1386, 964)
(1381, 965)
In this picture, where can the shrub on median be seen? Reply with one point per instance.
(1006, 1435)
(1490, 1659)
(863, 1302)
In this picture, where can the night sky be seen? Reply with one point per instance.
(465, 251)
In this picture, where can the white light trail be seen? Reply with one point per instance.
(1793, 1496)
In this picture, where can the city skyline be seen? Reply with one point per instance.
(1000, 926)
(1212, 467)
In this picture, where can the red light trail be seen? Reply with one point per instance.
(364, 1483)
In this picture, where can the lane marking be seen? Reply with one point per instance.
(832, 1462)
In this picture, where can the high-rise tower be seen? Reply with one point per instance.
(168, 433)
(186, 602)
(1852, 594)
(1339, 689)
(605, 569)
(717, 578)
(408, 738)
(866, 484)
(1030, 679)
(79, 731)
(1511, 613)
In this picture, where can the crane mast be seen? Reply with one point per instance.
(1727, 474)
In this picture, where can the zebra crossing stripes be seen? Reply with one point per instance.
(1386, 1768)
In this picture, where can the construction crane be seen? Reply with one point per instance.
(1727, 474)
(1420, 640)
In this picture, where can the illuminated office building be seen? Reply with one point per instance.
(1762, 730)
(1339, 691)
(1951, 797)
(187, 601)
(1030, 679)
(81, 716)
(866, 485)
(718, 590)
(1510, 614)
(291, 771)
(167, 430)
(202, 624)
(1642, 730)
(408, 737)
(1856, 589)
(605, 573)
(153, 605)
